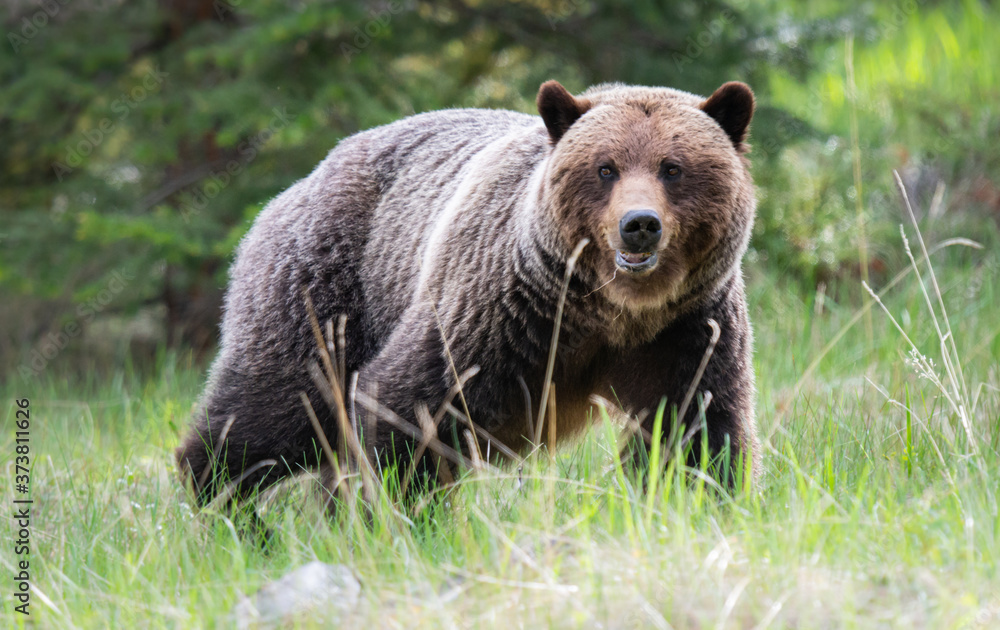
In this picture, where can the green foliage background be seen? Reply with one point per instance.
(138, 140)
(141, 138)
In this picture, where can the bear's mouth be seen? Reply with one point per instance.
(635, 263)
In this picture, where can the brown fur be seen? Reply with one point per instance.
(444, 237)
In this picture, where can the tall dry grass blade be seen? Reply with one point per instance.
(945, 352)
(516, 551)
(354, 452)
(630, 427)
(773, 611)
(489, 437)
(937, 202)
(552, 422)
(324, 354)
(730, 604)
(927, 369)
(321, 436)
(351, 411)
(36, 591)
(453, 391)
(217, 448)
(389, 416)
(428, 429)
(331, 346)
(692, 388)
(341, 482)
(529, 421)
(554, 344)
(331, 382)
(885, 309)
(451, 364)
(930, 270)
(227, 493)
(332, 391)
(447, 407)
(700, 372)
(952, 361)
(859, 208)
(477, 463)
(342, 346)
(706, 400)
(830, 345)
(930, 435)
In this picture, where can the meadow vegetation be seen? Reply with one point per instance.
(877, 505)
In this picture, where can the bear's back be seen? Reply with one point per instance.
(353, 229)
(420, 163)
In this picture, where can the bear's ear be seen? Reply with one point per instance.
(732, 107)
(559, 108)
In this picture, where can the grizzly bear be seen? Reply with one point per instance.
(445, 239)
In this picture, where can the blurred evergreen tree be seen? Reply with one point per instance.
(146, 135)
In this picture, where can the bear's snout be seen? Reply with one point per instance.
(640, 231)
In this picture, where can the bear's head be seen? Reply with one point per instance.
(656, 179)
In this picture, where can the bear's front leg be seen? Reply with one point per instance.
(667, 366)
(409, 371)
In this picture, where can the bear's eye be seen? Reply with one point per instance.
(671, 171)
(606, 172)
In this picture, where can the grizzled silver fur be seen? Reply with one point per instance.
(447, 234)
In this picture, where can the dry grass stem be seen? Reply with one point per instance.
(554, 344)
(216, 450)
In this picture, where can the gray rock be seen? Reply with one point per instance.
(317, 591)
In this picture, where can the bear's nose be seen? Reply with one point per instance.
(641, 230)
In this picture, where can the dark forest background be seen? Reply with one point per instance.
(139, 139)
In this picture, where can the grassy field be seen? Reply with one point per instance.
(877, 507)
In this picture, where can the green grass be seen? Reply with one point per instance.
(868, 514)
